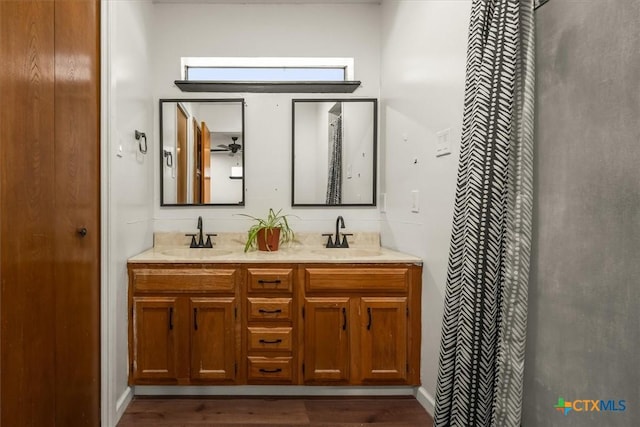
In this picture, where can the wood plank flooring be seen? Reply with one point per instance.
(396, 411)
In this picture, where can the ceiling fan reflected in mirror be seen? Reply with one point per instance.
(232, 148)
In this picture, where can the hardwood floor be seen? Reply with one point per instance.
(397, 411)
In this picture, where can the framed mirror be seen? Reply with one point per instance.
(202, 144)
(334, 152)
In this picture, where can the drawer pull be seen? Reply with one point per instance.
(270, 371)
(268, 282)
(264, 311)
(170, 318)
(369, 313)
(263, 341)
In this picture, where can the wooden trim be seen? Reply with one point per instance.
(184, 280)
(337, 279)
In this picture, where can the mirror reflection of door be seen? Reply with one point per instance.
(197, 170)
(206, 164)
(208, 148)
(181, 138)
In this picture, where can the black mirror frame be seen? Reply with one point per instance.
(374, 101)
(161, 150)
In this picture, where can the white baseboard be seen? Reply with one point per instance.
(426, 400)
(122, 403)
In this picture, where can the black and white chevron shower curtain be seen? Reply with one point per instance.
(485, 313)
(334, 176)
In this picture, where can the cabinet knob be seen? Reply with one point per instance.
(82, 232)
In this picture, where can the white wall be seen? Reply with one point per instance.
(170, 143)
(127, 206)
(357, 170)
(278, 30)
(422, 91)
(411, 54)
(311, 152)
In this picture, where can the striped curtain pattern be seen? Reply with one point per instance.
(484, 325)
(334, 177)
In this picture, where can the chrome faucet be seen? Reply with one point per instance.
(200, 243)
(336, 243)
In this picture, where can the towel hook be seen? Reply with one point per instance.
(141, 136)
(168, 158)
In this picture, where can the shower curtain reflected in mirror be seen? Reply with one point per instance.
(334, 177)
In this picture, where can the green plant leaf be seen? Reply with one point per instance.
(273, 220)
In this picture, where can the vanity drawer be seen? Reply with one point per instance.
(357, 279)
(184, 280)
(269, 339)
(269, 309)
(270, 369)
(270, 279)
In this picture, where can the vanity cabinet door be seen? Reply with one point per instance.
(155, 324)
(326, 340)
(383, 339)
(213, 339)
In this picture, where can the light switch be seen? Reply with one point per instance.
(383, 202)
(443, 142)
(415, 201)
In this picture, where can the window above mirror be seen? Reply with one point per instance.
(267, 74)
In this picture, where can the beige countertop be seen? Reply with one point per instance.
(306, 248)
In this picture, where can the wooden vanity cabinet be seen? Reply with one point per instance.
(184, 326)
(154, 347)
(315, 324)
(361, 324)
(270, 342)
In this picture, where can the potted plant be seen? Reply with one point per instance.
(269, 232)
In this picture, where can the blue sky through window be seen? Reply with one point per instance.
(268, 74)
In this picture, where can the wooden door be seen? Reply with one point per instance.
(383, 339)
(27, 201)
(206, 164)
(156, 324)
(181, 154)
(49, 193)
(213, 339)
(326, 340)
(77, 212)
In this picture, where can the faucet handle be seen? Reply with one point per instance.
(208, 244)
(330, 243)
(344, 243)
(193, 240)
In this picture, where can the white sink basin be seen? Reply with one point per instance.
(193, 253)
(347, 252)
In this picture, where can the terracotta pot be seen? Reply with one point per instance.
(268, 240)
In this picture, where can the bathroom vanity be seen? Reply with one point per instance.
(301, 315)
